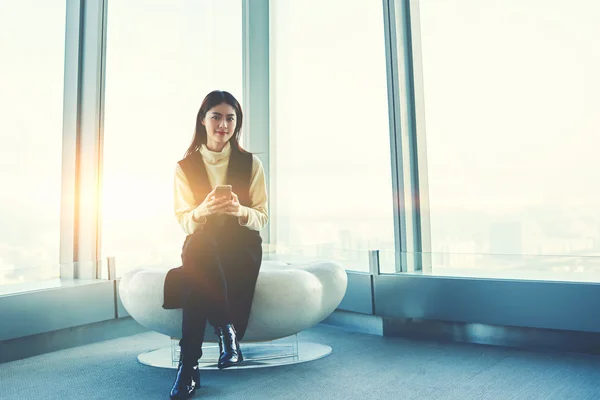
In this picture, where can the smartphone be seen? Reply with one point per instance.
(223, 191)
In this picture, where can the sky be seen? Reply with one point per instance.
(511, 98)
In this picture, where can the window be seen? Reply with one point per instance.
(512, 94)
(330, 163)
(156, 80)
(32, 47)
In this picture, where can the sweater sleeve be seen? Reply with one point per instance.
(257, 212)
(185, 204)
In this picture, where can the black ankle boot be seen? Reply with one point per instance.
(230, 352)
(187, 381)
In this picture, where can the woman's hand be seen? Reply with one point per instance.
(235, 208)
(211, 205)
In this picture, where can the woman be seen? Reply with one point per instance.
(222, 252)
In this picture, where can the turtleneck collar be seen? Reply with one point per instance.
(213, 157)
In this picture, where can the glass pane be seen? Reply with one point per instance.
(155, 82)
(332, 192)
(32, 49)
(512, 93)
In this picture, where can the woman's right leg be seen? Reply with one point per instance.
(200, 288)
(205, 297)
(194, 321)
(204, 293)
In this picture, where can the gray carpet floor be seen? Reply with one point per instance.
(361, 367)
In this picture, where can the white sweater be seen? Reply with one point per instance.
(216, 164)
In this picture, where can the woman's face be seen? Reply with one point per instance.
(220, 122)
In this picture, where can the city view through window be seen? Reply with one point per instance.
(511, 98)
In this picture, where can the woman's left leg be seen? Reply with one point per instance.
(241, 256)
(241, 265)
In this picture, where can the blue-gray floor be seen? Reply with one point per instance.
(360, 367)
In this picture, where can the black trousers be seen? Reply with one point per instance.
(220, 268)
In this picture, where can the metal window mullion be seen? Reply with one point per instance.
(403, 135)
(420, 138)
(84, 58)
(71, 96)
(396, 154)
(255, 38)
(405, 85)
(100, 175)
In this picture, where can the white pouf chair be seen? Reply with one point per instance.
(288, 299)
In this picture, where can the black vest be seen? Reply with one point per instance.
(239, 173)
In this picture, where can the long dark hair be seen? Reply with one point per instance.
(211, 100)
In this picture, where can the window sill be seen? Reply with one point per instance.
(512, 274)
(48, 284)
(39, 307)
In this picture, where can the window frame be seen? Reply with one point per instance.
(406, 294)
